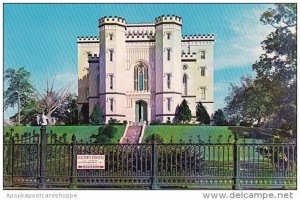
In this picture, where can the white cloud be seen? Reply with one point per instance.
(240, 46)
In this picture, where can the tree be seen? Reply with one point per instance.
(271, 95)
(96, 116)
(28, 114)
(84, 114)
(52, 100)
(219, 118)
(68, 111)
(183, 112)
(177, 118)
(248, 102)
(19, 90)
(278, 65)
(105, 134)
(201, 114)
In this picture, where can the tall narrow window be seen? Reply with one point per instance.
(184, 82)
(111, 104)
(168, 54)
(202, 54)
(111, 53)
(111, 36)
(140, 78)
(203, 92)
(169, 81)
(202, 71)
(169, 104)
(111, 81)
(168, 36)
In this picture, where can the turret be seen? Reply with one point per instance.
(168, 65)
(169, 19)
(112, 61)
(112, 20)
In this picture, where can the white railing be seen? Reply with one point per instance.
(125, 131)
(143, 131)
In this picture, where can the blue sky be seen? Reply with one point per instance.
(42, 37)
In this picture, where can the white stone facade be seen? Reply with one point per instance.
(141, 72)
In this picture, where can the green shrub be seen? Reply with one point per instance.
(113, 121)
(219, 118)
(105, 134)
(156, 122)
(84, 114)
(96, 116)
(201, 114)
(157, 138)
(183, 113)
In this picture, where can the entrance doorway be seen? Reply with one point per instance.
(141, 111)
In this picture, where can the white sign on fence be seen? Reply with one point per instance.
(90, 161)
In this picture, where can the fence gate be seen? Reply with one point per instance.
(21, 160)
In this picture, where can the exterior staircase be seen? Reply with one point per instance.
(132, 135)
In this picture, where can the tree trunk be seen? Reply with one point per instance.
(19, 109)
(259, 121)
(49, 119)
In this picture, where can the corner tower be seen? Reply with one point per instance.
(112, 63)
(168, 66)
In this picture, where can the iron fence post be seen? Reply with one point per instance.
(154, 185)
(43, 157)
(236, 162)
(11, 160)
(73, 181)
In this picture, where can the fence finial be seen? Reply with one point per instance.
(209, 139)
(219, 138)
(153, 138)
(11, 131)
(191, 139)
(236, 137)
(73, 138)
(180, 140)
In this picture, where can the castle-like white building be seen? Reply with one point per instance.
(141, 72)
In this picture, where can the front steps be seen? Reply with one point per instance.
(132, 135)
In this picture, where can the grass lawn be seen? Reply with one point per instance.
(184, 132)
(81, 132)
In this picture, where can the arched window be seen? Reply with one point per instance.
(140, 77)
(184, 82)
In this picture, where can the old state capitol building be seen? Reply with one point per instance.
(141, 72)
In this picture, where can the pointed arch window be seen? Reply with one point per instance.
(140, 77)
(184, 82)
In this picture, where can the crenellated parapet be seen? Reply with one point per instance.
(140, 35)
(167, 19)
(93, 58)
(112, 20)
(199, 37)
(87, 39)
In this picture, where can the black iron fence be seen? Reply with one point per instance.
(47, 161)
